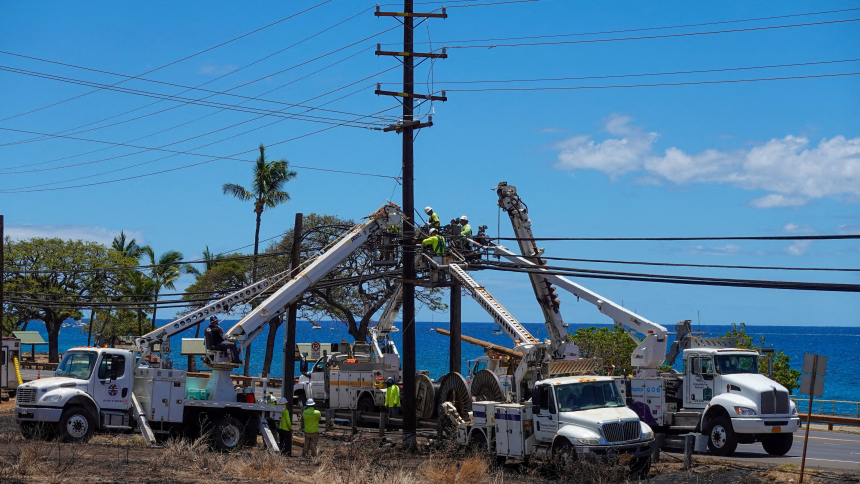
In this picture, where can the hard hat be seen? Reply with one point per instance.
(390, 381)
(464, 219)
(433, 231)
(282, 401)
(310, 402)
(427, 210)
(213, 319)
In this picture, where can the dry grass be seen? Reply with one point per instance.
(472, 470)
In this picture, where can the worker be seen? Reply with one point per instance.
(392, 397)
(389, 242)
(436, 243)
(213, 339)
(434, 218)
(311, 420)
(465, 228)
(285, 429)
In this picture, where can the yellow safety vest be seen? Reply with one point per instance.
(286, 420)
(437, 243)
(392, 396)
(312, 417)
(434, 220)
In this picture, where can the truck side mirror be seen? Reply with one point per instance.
(114, 367)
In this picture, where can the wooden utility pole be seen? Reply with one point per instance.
(2, 278)
(456, 321)
(292, 312)
(406, 127)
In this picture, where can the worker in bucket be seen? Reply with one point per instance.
(285, 429)
(434, 218)
(465, 228)
(311, 421)
(213, 338)
(436, 243)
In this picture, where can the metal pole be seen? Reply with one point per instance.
(290, 330)
(408, 395)
(456, 321)
(808, 416)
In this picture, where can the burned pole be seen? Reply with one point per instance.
(292, 313)
(407, 127)
(456, 321)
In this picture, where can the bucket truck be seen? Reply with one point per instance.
(107, 389)
(10, 365)
(720, 394)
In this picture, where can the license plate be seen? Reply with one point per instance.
(776, 430)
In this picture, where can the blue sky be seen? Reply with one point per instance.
(749, 158)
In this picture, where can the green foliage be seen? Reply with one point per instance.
(612, 344)
(782, 371)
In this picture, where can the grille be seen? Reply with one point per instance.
(774, 403)
(25, 395)
(621, 431)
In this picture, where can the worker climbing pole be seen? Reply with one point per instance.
(407, 126)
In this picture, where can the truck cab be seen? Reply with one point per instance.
(90, 390)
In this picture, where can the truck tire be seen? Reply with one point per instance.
(640, 467)
(722, 439)
(777, 444)
(299, 399)
(75, 425)
(478, 441)
(563, 453)
(228, 434)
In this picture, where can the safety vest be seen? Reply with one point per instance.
(434, 220)
(393, 229)
(392, 396)
(311, 417)
(466, 231)
(437, 243)
(286, 420)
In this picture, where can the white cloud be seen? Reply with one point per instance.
(216, 70)
(67, 232)
(799, 247)
(790, 168)
(728, 249)
(846, 229)
(793, 228)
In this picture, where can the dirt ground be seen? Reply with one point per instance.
(125, 458)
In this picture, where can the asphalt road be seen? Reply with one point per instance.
(826, 450)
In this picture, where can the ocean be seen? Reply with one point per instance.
(840, 344)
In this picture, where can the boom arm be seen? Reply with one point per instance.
(511, 203)
(254, 322)
(383, 327)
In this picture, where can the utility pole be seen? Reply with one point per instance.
(406, 127)
(290, 331)
(2, 278)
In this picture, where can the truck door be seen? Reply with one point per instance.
(700, 385)
(545, 413)
(318, 380)
(113, 382)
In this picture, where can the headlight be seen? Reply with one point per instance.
(586, 441)
(745, 412)
(793, 409)
(648, 435)
(52, 398)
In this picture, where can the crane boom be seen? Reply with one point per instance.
(244, 331)
(511, 203)
(389, 314)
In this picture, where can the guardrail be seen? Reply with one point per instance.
(841, 408)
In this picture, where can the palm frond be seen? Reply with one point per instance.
(237, 191)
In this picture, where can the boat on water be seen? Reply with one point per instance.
(497, 331)
(315, 326)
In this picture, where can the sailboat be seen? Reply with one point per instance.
(315, 325)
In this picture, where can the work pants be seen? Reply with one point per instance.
(285, 441)
(231, 347)
(311, 441)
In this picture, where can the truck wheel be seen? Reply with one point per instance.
(722, 440)
(478, 442)
(777, 444)
(365, 405)
(563, 453)
(299, 399)
(639, 468)
(228, 434)
(75, 425)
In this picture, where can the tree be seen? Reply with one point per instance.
(612, 344)
(267, 183)
(141, 289)
(165, 271)
(50, 275)
(782, 371)
(130, 248)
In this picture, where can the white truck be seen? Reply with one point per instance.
(719, 395)
(97, 389)
(10, 365)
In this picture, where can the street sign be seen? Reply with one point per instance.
(812, 384)
(315, 350)
(809, 362)
(806, 388)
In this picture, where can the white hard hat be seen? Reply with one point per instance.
(282, 401)
(433, 231)
(464, 219)
(427, 210)
(310, 402)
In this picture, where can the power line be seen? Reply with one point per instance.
(176, 61)
(648, 37)
(691, 265)
(754, 237)
(645, 29)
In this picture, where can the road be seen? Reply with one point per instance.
(826, 450)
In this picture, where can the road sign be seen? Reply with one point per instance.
(806, 385)
(812, 384)
(809, 362)
(315, 350)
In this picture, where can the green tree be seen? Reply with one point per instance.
(782, 371)
(130, 248)
(48, 276)
(164, 273)
(612, 344)
(141, 289)
(267, 183)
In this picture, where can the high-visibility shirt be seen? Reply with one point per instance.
(466, 231)
(434, 220)
(311, 417)
(393, 229)
(437, 243)
(392, 396)
(286, 420)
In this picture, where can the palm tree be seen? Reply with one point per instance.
(130, 249)
(266, 191)
(165, 271)
(210, 258)
(141, 288)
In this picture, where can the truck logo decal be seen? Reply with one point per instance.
(113, 390)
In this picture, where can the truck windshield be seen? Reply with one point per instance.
(77, 364)
(730, 364)
(583, 396)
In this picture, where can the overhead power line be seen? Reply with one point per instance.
(178, 60)
(753, 237)
(713, 266)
